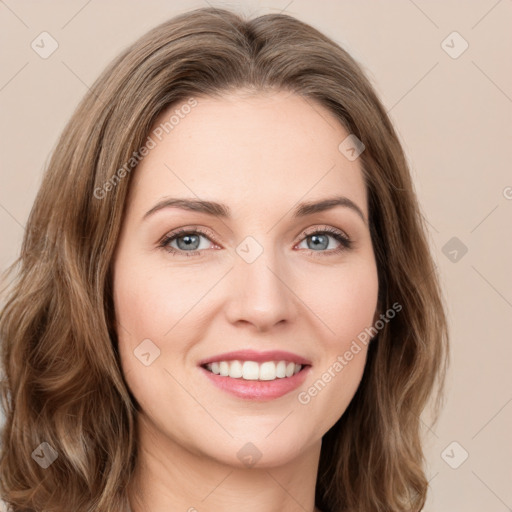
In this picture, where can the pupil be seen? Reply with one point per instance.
(316, 242)
(188, 240)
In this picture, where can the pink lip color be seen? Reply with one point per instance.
(255, 389)
(258, 357)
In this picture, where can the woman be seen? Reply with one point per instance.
(225, 297)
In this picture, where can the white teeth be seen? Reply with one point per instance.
(224, 368)
(235, 369)
(251, 370)
(281, 369)
(268, 371)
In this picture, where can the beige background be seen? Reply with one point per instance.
(454, 116)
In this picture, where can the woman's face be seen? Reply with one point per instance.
(256, 280)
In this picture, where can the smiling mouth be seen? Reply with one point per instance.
(252, 370)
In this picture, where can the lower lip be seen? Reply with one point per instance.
(258, 389)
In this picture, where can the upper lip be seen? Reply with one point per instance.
(258, 357)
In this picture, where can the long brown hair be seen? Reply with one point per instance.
(63, 383)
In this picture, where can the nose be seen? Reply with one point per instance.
(260, 293)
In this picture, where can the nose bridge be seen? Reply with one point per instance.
(259, 291)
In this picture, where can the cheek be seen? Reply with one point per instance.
(346, 305)
(158, 303)
(345, 301)
(150, 300)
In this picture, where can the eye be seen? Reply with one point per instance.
(188, 241)
(320, 240)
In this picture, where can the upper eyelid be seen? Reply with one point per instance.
(330, 230)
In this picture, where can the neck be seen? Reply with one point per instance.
(168, 477)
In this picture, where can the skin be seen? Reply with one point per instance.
(260, 154)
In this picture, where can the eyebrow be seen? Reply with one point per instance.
(222, 211)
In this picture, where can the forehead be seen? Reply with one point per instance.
(249, 151)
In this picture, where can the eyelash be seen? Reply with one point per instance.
(345, 242)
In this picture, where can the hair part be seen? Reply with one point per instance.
(63, 383)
